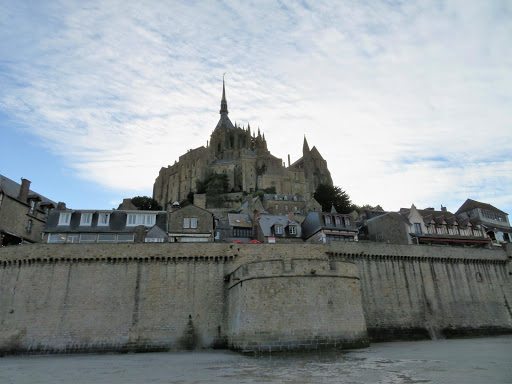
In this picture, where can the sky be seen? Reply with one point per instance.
(410, 102)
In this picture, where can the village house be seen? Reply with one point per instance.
(493, 221)
(326, 227)
(190, 224)
(23, 212)
(105, 226)
(277, 228)
(425, 226)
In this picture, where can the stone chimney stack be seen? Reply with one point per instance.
(291, 216)
(61, 206)
(288, 160)
(24, 188)
(443, 208)
(127, 205)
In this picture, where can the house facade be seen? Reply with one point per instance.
(426, 226)
(23, 212)
(277, 228)
(327, 227)
(494, 221)
(105, 226)
(191, 224)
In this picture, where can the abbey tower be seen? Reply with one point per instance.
(243, 155)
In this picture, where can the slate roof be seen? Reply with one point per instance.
(314, 222)
(117, 222)
(12, 189)
(266, 222)
(242, 220)
(471, 204)
(224, 119)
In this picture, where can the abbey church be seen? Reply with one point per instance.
(243, 156)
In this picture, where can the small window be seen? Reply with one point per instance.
(125, 238)
(337, 220)
(32, 206)
(29, 227)
(417, 228)
(186, 222)
(347, 221)
(276, 207)
(327, 219)
(286, 208)
(293, 229)
(85, 219)
(64, 218)
(88, 237)
(57, 238)
(73, 238)
(106, 238)
(193, 222)
(279, 229)
(103, 218)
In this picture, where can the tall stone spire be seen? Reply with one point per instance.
(223, 102)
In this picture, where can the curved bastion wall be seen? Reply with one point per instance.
(299, 303)
(149, 297)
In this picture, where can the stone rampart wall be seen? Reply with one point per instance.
(133, 297)
(411, 292)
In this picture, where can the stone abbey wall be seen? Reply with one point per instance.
(414, 292)
(141, 297)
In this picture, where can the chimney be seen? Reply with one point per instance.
(291, 216)
(443, 208)
(61, 206)
(127, 205)
(288, 160)
(24, 188)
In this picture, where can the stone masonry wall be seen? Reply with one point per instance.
(295, 304)
(413, 292)
(140, 297)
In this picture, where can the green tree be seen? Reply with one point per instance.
(328, 195)
(145, 203)
(214, 184)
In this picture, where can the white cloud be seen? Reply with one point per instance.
(408, 103)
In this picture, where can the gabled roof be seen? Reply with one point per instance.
(12, 189)
(266, 222)
(472, 204)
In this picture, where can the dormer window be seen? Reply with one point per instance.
(278, 229)
(347, 222)
(85, 219)
(337, 220)
(64, 218)
(327, 219)
(103, 218)
(292, 229)
(135, 219)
